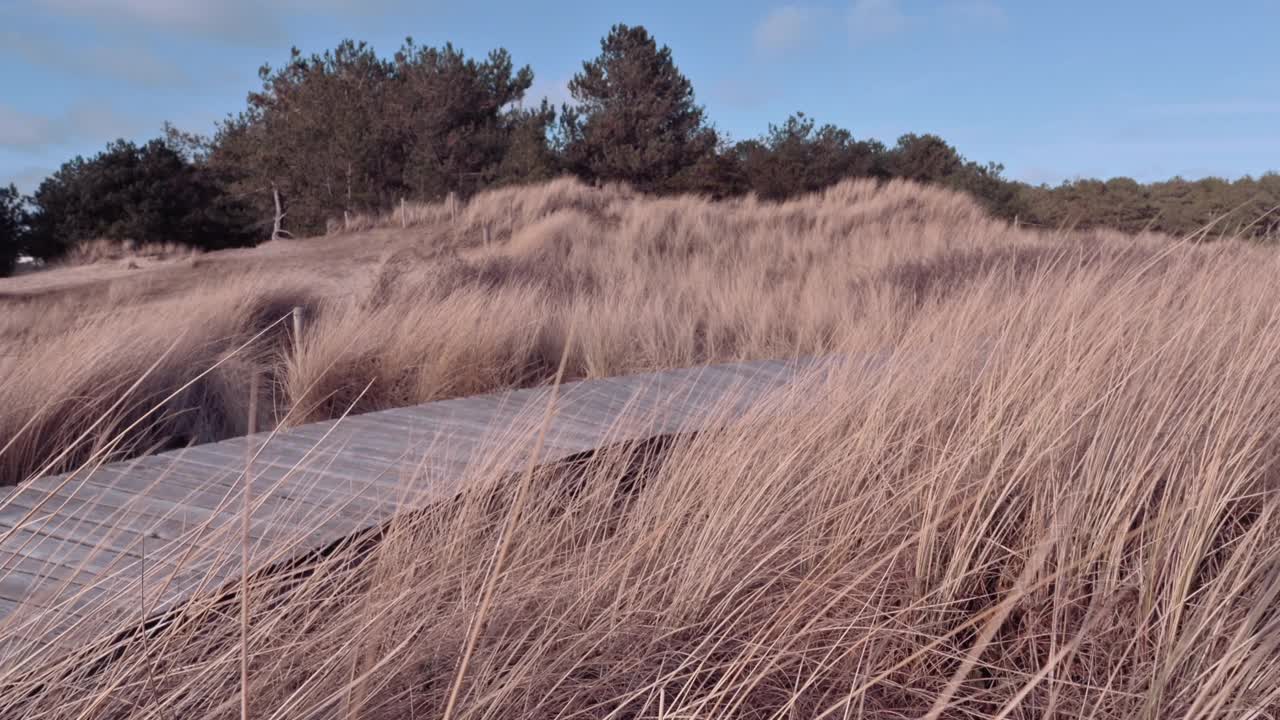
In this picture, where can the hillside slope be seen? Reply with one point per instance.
(416, 307)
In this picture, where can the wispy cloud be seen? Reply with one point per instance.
(870, 19)
(131, 65)
(28, 178)
(98, 121)
(981, 13)
(877, 19)
(227, 19)
(248, 22)
(28, 132)
(21, 130)
(1261, 145)
(786, 28)
(1200, 108)
(742, 94)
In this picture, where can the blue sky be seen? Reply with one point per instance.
(1053, 90)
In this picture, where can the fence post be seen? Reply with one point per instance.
(1015, 222)
(297, 327)
(404, 217)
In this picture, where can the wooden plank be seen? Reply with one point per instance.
(356, 449)
(129, 492)
(164, 486)
(10, 562)
(160, 549)
(275, 486)
(140, 520)
(280, 478)
(84, 538)
(88, 544)
(178, 513)
(287, 460)
(304, 443)
(54, 546)
(454, 430)
(36, 591)
(352, 434)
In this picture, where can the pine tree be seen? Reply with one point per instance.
(144, 193)
(635, 119)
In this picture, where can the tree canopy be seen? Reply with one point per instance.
(1248, 206)
(144, 193)
(347, 130)
(635, 119)
(800, 157)
(13, 228)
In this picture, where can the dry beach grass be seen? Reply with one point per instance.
(1058, 498)
(431, 311)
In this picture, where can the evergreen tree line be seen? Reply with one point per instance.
(349, 131)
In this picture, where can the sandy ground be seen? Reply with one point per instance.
(332, 257)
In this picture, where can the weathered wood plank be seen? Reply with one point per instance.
(74, 548)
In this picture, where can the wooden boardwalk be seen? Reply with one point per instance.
(130, 539)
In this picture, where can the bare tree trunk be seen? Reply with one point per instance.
(277, 229)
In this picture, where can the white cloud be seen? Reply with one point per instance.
(230, 20)
(97, 122)
(176, 14)
(1241, 106)
(249, 22)
(786, 28)
(21, 130)
(162, 12)
(875, 18)
(983, 13)
(555, 92)
(1185, 149)
(133, 65)
(744, 93)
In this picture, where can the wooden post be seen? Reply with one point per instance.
(297, 326)
(1015, 222)
(404, 217)
(453, 207)
(346, 221)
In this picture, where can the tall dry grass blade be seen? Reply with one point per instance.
(503, 545)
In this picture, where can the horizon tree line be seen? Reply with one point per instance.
(348, 131)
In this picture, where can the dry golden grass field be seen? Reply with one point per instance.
(1058, 498)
